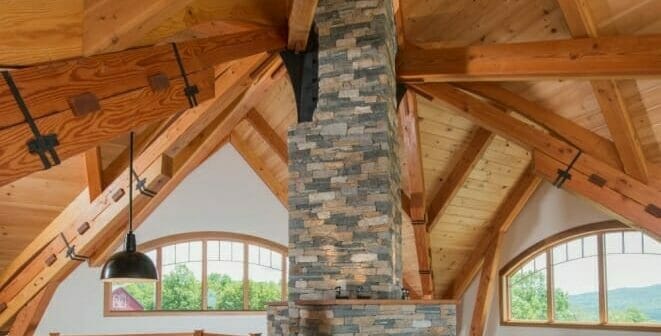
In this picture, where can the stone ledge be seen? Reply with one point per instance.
(374, 302)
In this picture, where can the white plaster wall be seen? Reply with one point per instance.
(548, 212)
(223, 194)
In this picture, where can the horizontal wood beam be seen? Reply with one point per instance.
(621, 57)
(300, 22)
(631, 191)
(515, 201)
(459, 174)
(112, 25)
(90, 100)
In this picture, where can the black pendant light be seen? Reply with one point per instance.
(129, 265)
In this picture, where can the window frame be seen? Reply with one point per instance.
(203, 237)
(546, 246)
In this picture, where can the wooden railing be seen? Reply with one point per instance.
(194, 333)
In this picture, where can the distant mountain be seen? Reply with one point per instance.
(645, 299)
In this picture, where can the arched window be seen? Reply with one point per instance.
(205, 271)
(601, 275)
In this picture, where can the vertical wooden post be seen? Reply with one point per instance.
(488, 280)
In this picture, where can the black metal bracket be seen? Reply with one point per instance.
(400, 93)
(141, 186)
(71, 250)
(303, 69)
(564, 175)
(189, 90)
(42, 145)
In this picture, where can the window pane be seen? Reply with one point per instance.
(225, 279)
(182, 281)
(212, 250)
(527, 293)
(633, 242)
(576, 286)
(634, 283)
(133, 296)
(560, 254)
(265, 281)
(614, 242)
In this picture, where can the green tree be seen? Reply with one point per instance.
(143, 293)
(630, 315)
(227, 294)
(528, 296)
(181, 291)
(263, 292)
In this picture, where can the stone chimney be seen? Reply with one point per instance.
(344, 200)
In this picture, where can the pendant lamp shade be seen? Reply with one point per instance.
(129, 265)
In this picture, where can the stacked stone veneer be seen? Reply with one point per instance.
(378, 319)
(344, 188)
(344, 203)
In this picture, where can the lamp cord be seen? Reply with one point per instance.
(131, 183)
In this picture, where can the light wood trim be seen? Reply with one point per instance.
(301, 17)
(204, 237)
(545, 245)
(550, 287)
(620, 57)
(268, 134)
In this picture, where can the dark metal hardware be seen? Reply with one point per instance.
(118, 195)
(50, 260)
(189, 90)
(71, 250)
(83, 228)
(303, 69)
(597, 180)
(141, 186)
(42, 145)
(564, 175)
(653, 210)
(159, 82)
(84, 103)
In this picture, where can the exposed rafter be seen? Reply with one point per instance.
(27, 320)
(268, 134)
(609, 94)
(516, 199)
(300, 21)
(460, 172)
(486, 288)
(112, 25)
(588, 58)
(637, 201)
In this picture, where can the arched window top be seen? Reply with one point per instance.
(205, 271)
(603, 275)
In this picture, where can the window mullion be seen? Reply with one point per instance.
(603, 299)
(246, 278)
(550, 312)
(159, 289)
(205, 284)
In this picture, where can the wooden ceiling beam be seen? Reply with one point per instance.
(268, 134)
(94, 172)
(621, 57)
(486, 287)
(638, 201)
(460, 172)
(27, 320)
(615, 109)
(515, 201)
(113, 25)
(87, 225)
(417, 205)
(90, 100)
(301, 17)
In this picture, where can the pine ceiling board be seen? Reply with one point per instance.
(269, 13)
(37, 31)
(460, 23)
(278, 106)
(626, 17)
